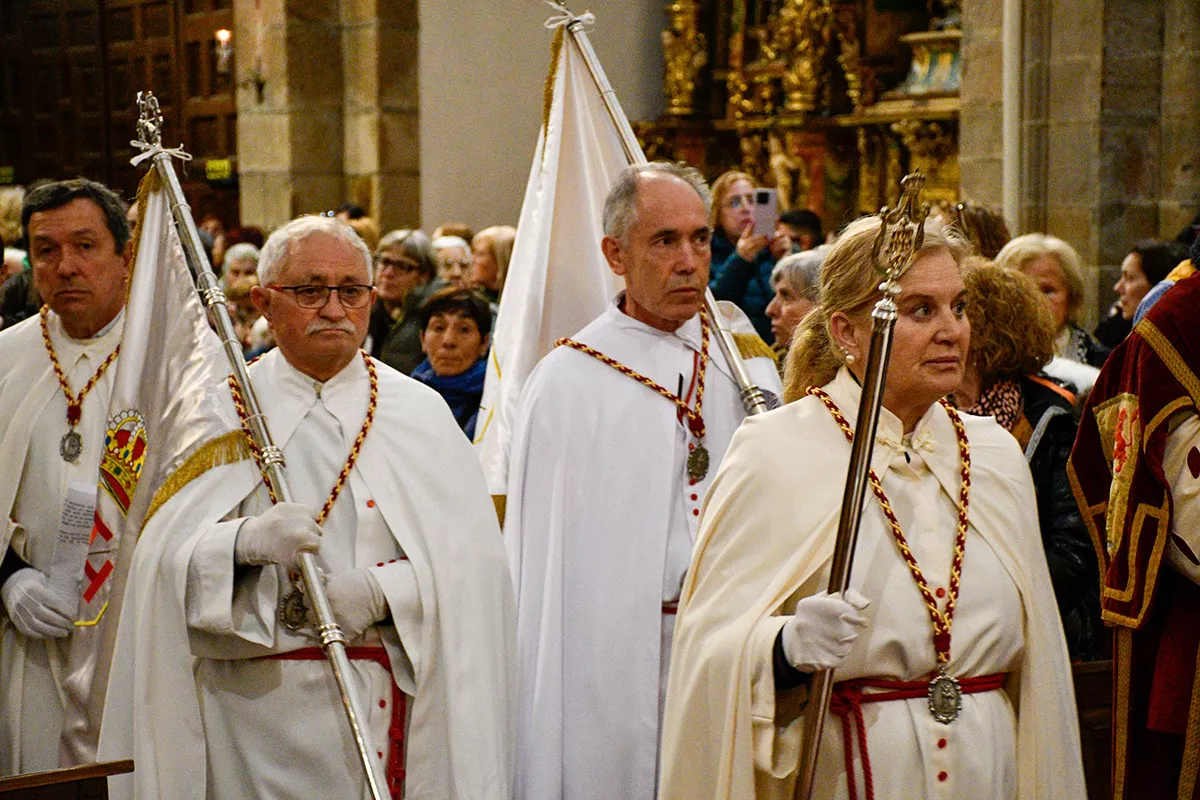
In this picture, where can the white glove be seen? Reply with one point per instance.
(36, 610)
(357, 600)
(277, 537)
(821, 633)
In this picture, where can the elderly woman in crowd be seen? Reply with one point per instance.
(405, 275)
(937, 554)
(453, 256)
(796, 280)
(742, 260)
(1012, 339)
(241, 261)
(491, 250)
(455, 324)
(1055, 266)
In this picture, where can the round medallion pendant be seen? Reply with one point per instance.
(945, 698)
(697, 463)
(71, 446)
(294, 611)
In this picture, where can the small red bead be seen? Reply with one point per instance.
(695, 512)
(379, 564)
(694, 497)
(370, 504)
(692, 482)
(383, 703)
(942, 776)
(940, 592)
(379, 753)
(691, 447)
(941, 744)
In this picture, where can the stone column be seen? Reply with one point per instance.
(1179, 198)
(381, 122)
(981, 146)
(290, 135)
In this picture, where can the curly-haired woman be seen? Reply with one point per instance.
(1012, 338)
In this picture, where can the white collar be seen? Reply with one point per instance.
(689, 332)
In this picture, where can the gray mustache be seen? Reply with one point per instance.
(317, 326)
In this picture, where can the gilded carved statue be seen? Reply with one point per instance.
(685, 52)
(790, 174)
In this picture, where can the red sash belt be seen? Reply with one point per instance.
(847, 702)
(395, 755)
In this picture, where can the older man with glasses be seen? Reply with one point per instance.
(390, 499)
(405, 275)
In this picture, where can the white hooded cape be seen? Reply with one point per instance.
(768, 526)
(429, 488)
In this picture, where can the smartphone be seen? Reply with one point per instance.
(766, 212)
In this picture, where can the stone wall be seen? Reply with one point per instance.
(1110, 128)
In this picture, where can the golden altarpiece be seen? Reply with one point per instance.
(828, 101)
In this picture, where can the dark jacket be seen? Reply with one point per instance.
(1084, 348)
(397, 342)
(744, 283)
(18, 299)
(1069, 551)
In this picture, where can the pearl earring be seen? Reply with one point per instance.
(847, 357)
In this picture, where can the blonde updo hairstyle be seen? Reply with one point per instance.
(849, 284)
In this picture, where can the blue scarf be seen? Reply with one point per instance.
(461, 392)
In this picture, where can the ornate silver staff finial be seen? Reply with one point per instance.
(901, 230)
(150, 120)
(149, 131)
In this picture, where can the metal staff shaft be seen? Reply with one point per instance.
(333, 640)
(753, 399)
(883, 321)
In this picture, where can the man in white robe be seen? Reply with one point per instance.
(602, 509)
(80, 252)
(415, 571)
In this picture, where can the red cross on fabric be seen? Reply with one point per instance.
(96, 578)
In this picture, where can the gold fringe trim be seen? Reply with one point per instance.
(500, 501)
(229, 448)
(1191, 747)
(751, 345)
(551, 77)
(149, 184)
(1122, 663)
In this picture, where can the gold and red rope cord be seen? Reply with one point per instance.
(372, 404)
(74, 402)
(942, 620)
(694, 416)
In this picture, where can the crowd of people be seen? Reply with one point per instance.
(643, 616)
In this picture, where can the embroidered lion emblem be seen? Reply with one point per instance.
(124, 454)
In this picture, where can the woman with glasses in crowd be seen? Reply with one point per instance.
(405, 275)
(742, 260)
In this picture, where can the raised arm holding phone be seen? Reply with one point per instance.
(745, 246)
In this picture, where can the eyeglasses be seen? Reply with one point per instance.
(398, 265)
(457, 262)
(351, 295)
(738, 200)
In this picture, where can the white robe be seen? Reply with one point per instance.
(276, 728)
(599, 528)
(33, 483)
(768, 530)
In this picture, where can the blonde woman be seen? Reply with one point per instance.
(755, 622)
(491, 250)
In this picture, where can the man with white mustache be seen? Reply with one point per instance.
(390, 499)
(618, 435)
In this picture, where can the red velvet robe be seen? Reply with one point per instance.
(1116, 470)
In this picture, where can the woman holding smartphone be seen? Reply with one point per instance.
(743, 256)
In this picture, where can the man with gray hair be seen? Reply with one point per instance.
(617, 435)
(390, 499)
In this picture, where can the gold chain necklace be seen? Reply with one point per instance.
(72, 443)
(945, 694)
(698, 459)
(294, 610)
